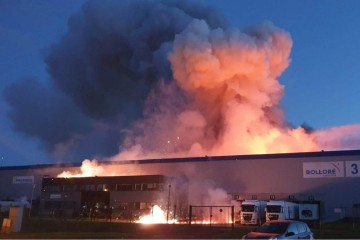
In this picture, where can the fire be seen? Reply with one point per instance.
(225, 100)
(88, 169)
(157, 215)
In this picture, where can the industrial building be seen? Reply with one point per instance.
(330, 178)
(125, 197)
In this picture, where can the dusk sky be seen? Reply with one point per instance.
(321, 83)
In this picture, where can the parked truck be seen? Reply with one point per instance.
(252, 212)
(278, 210)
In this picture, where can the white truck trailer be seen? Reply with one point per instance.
(252, 212)
(279, 210)
(309, 211)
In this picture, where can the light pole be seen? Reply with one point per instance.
(32, 196)
(168, 205)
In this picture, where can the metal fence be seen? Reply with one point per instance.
(212, 215)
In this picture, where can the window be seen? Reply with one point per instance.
(122, 206)
(51, 188)
(293, 228)
(247, 208)
(136, 206)
(301, 227)
(52, 205)
(145, 205)
(101, 187)
(133, 205)
(70, 188)
(273, 227)
(89, 187)
(111, 187)
(124, 187)
(149, 186)
(273, 209)
(138, 187)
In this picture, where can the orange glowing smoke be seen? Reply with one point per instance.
(224, 100)
(232, 77)
(232, 106)
(233, 94)
(88, 169)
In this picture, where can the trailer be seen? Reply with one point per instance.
(252, 212)
(282, 210)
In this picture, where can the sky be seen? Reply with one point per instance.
(320, 84)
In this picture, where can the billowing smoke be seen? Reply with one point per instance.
(339, 138)
(101, 72)
(232, 77)
(225, 99)
(142, 79)
(152, 79)
(89, 168)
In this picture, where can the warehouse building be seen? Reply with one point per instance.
(124, 197)
(331, 178)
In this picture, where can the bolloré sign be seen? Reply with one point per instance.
(323, 169)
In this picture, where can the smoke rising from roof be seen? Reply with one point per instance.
(232, 97)
(140, 79)
(101, 72)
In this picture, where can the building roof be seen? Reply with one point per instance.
(197, 159)
(103, 179)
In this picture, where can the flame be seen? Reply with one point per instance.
(89, 168)
(157, 215)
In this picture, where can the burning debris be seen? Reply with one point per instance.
(157, 215)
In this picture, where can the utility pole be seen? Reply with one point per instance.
(168, 205)
(32, 196)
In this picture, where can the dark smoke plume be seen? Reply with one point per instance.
(101, 71)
